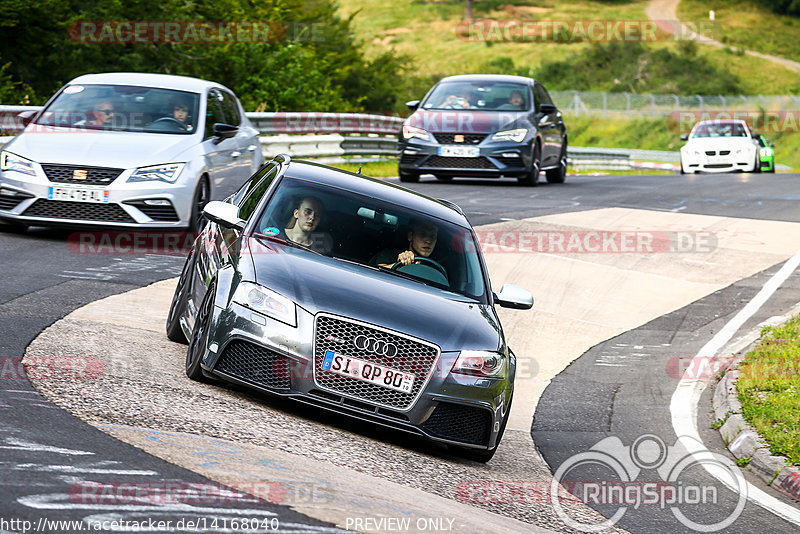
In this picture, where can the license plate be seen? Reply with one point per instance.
(368, 372)
(78, 194)
(459, 151)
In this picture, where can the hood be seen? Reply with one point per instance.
(320, 283)
(467, 121)
(719, 143)
(121, 150)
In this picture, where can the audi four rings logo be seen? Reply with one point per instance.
(375, 346)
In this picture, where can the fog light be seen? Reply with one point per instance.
(157, 202)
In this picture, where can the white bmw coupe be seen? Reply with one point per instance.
(720, 146)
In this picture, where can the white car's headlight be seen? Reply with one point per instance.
(480, 363)
(266, 301)
(516, 135)
(413, 131)
(167, 172)
(10, 162)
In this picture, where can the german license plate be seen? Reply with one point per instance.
(368, 372)
(459, 151)
(78, 194)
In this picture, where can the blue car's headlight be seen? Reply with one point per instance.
(481, 363)
(167, 172)
(516, 135)
(259, 298)
(10, 162)
(413, 131)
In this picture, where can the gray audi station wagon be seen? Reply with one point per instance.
(295, 288)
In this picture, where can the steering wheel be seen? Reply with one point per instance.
(424, 261)
(171, 121)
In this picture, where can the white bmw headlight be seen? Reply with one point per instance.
(516, 135)
(480, 363)
(259, 298)
(167, 172)
(10, 162)
(413, 131)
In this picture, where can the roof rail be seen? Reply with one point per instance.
(453, 205)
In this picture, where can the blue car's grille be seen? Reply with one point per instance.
(256, 365)
(447, 162)
(467, 139)
(413, 356)
(466, 424)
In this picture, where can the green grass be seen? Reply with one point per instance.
(769, 389)
(748, 25)
(426, 32)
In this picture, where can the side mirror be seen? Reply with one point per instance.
(547, 108)
(224, 131)
(26, 117)
(412, 104)
(224, 214)
(684, 137)
(514, 297)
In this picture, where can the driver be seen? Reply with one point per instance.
(421, 242)
(180, 112)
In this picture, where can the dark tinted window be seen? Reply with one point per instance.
(213, 112)
(541, 96)
(249, 196)
(230, 109)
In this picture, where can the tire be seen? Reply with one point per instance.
(200, 333)
(757, 166)
(682, 171)
(559, 174)
(408, 177)
(532, 177)
(202, 194)
(178, 307)
(484, 455)
(444, 178)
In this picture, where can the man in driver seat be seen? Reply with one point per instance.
(421, 242)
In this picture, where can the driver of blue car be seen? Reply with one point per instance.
(421, 242)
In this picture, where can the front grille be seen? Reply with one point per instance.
(449, 138)
(11, 200)
(466, 424)
(157, 213)
(86, 211)
(94, 175)
(718, 165)
(724, 152)
(711, 152)
(414, 356)
(446, 162)
(256, 365)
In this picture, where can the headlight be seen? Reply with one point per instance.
(480, 363)
(259, 298)
(413, 131)
(168, 172)
(12, 163)
(516, 135)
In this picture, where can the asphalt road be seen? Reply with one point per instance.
(46, 451)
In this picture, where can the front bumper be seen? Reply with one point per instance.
(721, 163)
(258, 352)
(494, 159)
(28, 199)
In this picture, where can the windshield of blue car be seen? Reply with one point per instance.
(720, 129)
(479, 96)
(123, 108)
(372, 232)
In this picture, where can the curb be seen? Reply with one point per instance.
(740, 438)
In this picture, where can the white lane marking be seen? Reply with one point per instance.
(683, 405)
(21, 445)
(89, 470)
(676, 210)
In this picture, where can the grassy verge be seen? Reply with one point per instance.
(427, 33)
(770, 392)
(746, 24)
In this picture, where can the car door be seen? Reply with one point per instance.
(220, 153)
(246, 157)
(550, 124)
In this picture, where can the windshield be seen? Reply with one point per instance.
(374, 233)
(123, 108)
(720, 129)
(480, 96)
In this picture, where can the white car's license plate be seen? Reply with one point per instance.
(78, 194)
(368, 372)
(459, 151)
